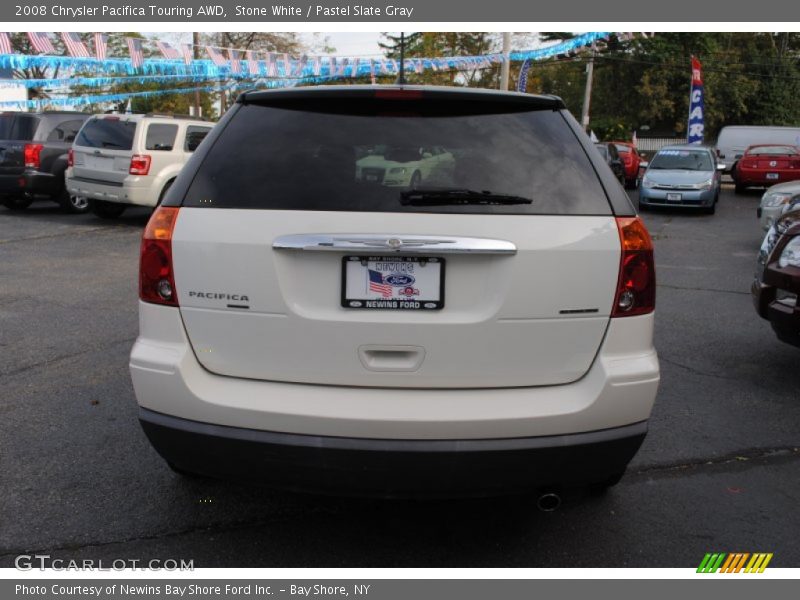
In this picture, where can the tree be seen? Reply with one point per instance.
(749, 78)
(284, 42)
(431, 44)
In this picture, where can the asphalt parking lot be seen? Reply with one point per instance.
(719, 471)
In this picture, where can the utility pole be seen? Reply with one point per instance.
(196, 55)
(505, 68)
(587, 94)
(401, 76)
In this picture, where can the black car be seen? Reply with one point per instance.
(777, 282)
(33, 158)
(611, 155)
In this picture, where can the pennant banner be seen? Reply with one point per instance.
(179, 64)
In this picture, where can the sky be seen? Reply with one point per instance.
(356, 43)
(351, 43)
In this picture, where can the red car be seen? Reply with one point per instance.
(630, 160)
(767, 164)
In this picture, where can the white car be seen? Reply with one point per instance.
(406, 166)
(121, 160)
(775, 201)
(302, 328)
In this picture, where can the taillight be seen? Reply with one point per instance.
(636, 289)
(33, 155)
(156, 278)
(70, 158)
(140, 164)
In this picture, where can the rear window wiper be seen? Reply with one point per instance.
(433, 197)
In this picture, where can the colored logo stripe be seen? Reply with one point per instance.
(735, 562)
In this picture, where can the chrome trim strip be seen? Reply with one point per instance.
(397, 244)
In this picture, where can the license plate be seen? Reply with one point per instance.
(371, 178)
(393, 282)
(102, 163)
(674, 197)
(773, 175)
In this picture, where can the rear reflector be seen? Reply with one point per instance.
(32, 154)
(140, 164)
(156, 277)
(636, 289)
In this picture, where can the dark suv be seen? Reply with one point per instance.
(777, 283)
(33, 158)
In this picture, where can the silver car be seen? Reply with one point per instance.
(775, 201)
(684, 175)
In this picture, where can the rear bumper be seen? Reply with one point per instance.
(132, 190)
(31, 182)
(700, 198)
(362, 466)
(759, 178)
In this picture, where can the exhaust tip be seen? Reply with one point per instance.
(548, 502)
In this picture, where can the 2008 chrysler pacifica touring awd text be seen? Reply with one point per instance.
(486, 328)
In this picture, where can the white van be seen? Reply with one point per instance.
(735, 139)
(491, 333)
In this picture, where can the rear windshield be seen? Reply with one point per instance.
(17, 126)
(384, 156)
(110, 133)
(684, 160)
(621, 148)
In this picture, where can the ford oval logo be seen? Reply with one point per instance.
(399, 279)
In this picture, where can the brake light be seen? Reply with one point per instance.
(636, 288)
(399, 94)
(32, 154)
(156, 277)
(140, 164)
(70, 158)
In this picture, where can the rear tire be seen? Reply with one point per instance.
(107, 210)
(740, 188)
(74, 205)
(17, 202)
(710, 210)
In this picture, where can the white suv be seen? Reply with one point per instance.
(119, 160)
(318, 330)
